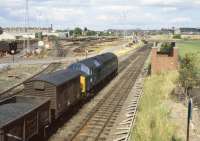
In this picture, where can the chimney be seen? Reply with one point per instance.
(51, 27)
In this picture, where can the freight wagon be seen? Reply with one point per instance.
(62, 87)
(21, 118)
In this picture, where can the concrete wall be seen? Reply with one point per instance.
(164, 62)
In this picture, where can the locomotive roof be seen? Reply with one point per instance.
(104, 57)
(100, 58)
(59, 77)
(11, 111)
(88, 62)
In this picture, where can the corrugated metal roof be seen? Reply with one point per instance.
(58, 78)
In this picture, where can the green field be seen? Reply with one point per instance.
(188, 47)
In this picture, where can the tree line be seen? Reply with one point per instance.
(77, 31)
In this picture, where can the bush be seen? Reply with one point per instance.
(91, 33)
(177, 36)
(190, 71)
(166, 48)
(77, 31)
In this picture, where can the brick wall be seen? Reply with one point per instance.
(164, 62)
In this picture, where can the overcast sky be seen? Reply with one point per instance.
(102, 14)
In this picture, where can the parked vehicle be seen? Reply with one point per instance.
(8, 47)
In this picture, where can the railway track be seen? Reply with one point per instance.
(99, 122)
(126, 62)
(18, 89)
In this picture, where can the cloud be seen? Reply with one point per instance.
(12, 3)
(181, 20)
(104, 18)
(197, 2)
(117, 8)
(2, 19)
(169, 9)
(161, 2)
(101, 14)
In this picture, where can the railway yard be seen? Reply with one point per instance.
(94, 114)
(23, 68)
(97, 70)
(95, 90)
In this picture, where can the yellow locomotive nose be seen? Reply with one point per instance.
(83, 85)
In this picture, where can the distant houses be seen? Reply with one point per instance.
(167, 31)
(187, 31)
(26, 30)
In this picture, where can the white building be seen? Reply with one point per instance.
(7, 36)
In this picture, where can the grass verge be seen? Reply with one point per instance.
(190, 46)
(153, 117)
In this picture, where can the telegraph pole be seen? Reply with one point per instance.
(189, 118)
(124, 18)
(26, 42)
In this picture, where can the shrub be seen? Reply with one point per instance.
(177, 36)
(166, 48)
(190, 71)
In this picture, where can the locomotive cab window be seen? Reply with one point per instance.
(96, 63)
(39, 86)
(85, 69)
